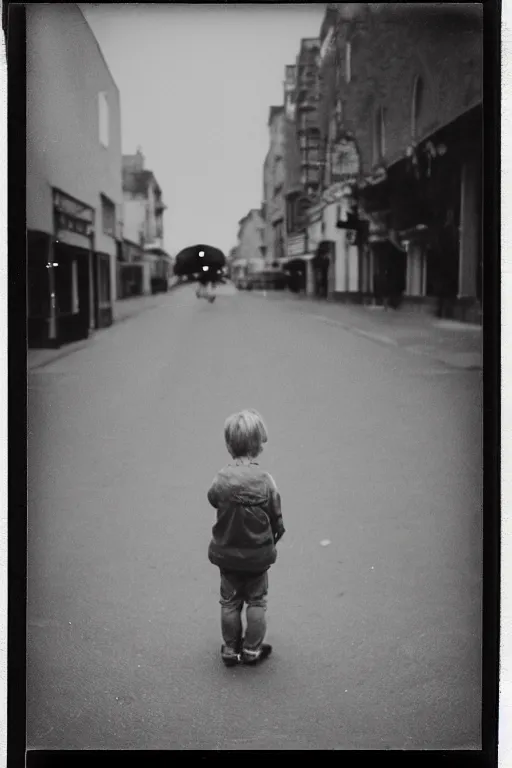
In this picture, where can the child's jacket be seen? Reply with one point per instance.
(249, 521)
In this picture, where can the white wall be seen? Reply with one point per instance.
(134, 212)
(251, 239)
(66, 73)
(346, 271)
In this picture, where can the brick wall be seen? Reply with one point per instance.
(391, 45)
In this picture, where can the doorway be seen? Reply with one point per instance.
(71, 269)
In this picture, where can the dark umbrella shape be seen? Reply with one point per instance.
(189, 262)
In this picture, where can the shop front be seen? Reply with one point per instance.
(61, 297)
(41, 304)
(297, 263)
(69, 283)
(130, 271)
(433, 206)
(73, 268)
(384, 256)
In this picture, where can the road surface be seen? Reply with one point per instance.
(377, 636)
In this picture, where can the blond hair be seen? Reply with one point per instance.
(245, 433)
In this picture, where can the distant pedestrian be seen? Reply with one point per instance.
(249, 525)
(207, 285)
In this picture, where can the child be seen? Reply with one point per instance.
(249, 524)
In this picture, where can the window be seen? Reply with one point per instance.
(103, 118)
(379, 135)
(348, 62)
(108, 216)
(417, 104)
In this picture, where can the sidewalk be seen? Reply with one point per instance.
(124, 309)
(458, 345)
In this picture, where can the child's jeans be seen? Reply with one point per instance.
(237, 588)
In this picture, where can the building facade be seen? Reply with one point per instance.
(303, 163)
(143, 227)
(74, 197)
(250, 251)
(273, 188)
(402, 106)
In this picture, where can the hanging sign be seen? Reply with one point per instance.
(345, 161)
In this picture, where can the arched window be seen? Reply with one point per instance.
(418, 93)
(379, 135)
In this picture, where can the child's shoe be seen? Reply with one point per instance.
(230, 657)
(255, 657)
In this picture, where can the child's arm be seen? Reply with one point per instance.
(212, 494)
(274, 510)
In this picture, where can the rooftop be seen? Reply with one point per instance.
(137, 182)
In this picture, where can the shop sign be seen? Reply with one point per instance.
(336, 192)
(296, 245)
(68, 223)
(73, 208)
(315, 213)
(377, 177)
(345, 162)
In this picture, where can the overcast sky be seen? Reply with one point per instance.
(196, 84)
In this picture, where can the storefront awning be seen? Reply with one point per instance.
(289, 259)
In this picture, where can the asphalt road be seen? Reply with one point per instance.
(377, 636)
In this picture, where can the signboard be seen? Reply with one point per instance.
(72, 224)
(335, 192)
(315, 213)
(343, 160)
(71, 215)
(73, 208)
(296, 245)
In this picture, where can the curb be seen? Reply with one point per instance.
(63, 353)
(79, 345)
(444, 359)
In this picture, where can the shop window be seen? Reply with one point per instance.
(103, 119)
(418, 94)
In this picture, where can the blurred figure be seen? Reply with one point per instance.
(207, 284)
